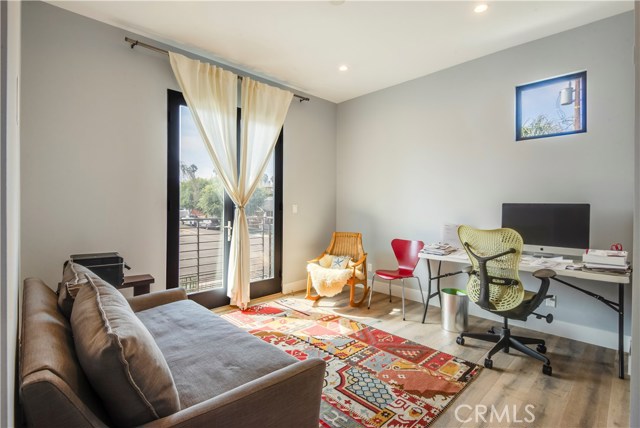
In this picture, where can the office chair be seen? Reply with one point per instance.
(495, 286)
(406, 253)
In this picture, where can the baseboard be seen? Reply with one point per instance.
(594, 336)
(292, 287)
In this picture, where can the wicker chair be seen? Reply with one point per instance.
(346, 244)
(495, 286)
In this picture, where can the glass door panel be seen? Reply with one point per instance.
(200, 217)
(202, 200)
(260, 217)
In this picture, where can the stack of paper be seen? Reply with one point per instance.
(606, 260)
(438, 249)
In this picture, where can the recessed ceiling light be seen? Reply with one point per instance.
(481, 8)
(343, 67)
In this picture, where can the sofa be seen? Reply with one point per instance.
(209, 373)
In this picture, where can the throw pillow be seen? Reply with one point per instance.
(120, 358)
(340, 262)
(359, 269)
(74, 276)
(325, 261)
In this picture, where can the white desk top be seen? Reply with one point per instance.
(460, 256)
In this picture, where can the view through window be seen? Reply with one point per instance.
(202, 219)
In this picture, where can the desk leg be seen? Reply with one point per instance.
(438, 283)
(621, 330)
(426, 305)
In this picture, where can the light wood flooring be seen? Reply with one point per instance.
(584, 390)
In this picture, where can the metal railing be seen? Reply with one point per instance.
(202, 243)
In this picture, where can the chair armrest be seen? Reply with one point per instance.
(544, 276)
(148, 301)
(287, 398)
(544, 273)
(361, 260)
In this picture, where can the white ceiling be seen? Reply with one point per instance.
(301, 43)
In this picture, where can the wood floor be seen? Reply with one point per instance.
(584, 390)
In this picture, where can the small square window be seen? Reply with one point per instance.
(552, 107)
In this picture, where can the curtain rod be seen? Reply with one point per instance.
(135, 43)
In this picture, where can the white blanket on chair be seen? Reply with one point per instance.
(328, 282)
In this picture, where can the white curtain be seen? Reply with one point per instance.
(211, 94)
(264, 109)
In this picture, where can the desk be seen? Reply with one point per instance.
(140, 283)
(460, 256)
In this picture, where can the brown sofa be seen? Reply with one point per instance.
(224, 376)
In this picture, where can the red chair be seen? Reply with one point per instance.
(407, 255)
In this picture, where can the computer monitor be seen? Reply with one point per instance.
(561, 229)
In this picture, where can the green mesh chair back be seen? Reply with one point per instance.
(505, 288)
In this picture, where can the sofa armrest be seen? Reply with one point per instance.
(148, 301)
(287, 398)
(48, 401)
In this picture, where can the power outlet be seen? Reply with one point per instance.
(369, 267)
(552, 301)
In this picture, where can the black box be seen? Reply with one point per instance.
(108, 266)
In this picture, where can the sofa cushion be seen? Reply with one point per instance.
(119, 356)
(206, 354)
(74, 276)
(325, 261)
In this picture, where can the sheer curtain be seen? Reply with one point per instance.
(211, 95)
(264, 109)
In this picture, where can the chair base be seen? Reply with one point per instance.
(504, 341)
(373, 280)
(352, 295)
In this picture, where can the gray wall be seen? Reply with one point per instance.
(94, 151)
(309, 183)
(441, 149)
(9, 205)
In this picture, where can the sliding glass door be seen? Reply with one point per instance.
(200, 217)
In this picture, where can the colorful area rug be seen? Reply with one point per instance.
(374, 378)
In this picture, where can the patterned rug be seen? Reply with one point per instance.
(374, 378)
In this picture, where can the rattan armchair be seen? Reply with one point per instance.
(346, 244)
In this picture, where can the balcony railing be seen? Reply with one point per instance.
(202, 244)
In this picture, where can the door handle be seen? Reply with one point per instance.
(229, 229)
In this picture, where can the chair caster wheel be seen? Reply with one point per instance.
(505, 350)
(546, 369)
(460, 340)
(542, 349)
(489, 363)
(491, 331)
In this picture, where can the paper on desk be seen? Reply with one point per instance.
(449, 235)
(550, 263)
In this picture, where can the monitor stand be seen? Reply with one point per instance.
(547, 255)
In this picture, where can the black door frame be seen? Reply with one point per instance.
(213, 298)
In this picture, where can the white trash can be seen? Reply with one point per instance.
(454, 310)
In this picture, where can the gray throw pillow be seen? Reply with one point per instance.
(74, 276)
(120, 358)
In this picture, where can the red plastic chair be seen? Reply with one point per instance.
(407, 255)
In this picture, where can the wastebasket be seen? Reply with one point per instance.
(455, 307)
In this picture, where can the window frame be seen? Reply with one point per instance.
(582, 75)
